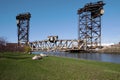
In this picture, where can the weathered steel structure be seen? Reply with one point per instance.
(89, 24)
(23, 28)
(53, 44)
(89, 31)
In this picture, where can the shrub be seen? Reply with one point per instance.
(27, 49)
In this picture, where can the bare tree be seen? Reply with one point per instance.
(3, 41)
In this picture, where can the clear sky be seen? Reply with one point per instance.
(56, 17)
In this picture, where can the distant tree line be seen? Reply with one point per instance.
(9, 47)
(2, 43)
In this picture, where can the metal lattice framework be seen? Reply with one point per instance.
(89, 27)
(54, 44)
(23, 28)
(58, 45)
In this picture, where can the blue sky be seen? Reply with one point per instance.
(56, 17)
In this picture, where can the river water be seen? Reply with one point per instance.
(114, 58)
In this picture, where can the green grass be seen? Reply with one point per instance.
(17, 66)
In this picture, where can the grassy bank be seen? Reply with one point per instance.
(17, 66)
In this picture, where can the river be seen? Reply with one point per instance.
(104, 57)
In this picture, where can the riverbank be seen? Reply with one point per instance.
(18, 66)
(112, 49)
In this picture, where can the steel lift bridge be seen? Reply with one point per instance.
(89, 31)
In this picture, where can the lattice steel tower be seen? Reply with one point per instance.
(23, 28)
(89, 24)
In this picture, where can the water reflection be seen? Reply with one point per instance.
(115, 58)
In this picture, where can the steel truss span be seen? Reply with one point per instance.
(58, 45)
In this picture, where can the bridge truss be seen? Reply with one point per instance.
(58, 45)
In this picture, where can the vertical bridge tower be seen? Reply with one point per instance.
(89, 24)
(23, 28)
